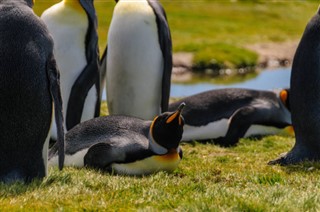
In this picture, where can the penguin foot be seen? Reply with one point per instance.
(224, 142)
(294, 157)
(282, 160)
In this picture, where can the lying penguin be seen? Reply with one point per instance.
(226, 115)
(125, 145)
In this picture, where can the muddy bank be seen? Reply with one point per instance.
(271, 55)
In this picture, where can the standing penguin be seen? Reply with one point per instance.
(29, 85)
(139, 59)
(73, 26)
(125, 145)
(305, 97)
(226, 115)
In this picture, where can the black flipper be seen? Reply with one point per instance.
(243, 118)
(54, 80)
(103, 70)
(99, 156)
(89, 76)
(166, 47)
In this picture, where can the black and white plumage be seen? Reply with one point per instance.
(305, 97)
(29, 84)
(138, 59)
(125, 145)
(226, 115)
(73, 26)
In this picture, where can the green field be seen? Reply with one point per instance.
(218, 31)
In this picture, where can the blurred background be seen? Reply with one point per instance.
(224, 43)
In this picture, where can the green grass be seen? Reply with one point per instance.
(219, 31)
(208, 178)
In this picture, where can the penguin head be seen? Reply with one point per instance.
(167, 128)
(284, 97)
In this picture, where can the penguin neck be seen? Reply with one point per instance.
(155, 147)
(75, 4)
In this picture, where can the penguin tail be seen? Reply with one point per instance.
(54, 80)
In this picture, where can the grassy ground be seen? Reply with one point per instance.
(208, 178)
(218, 31)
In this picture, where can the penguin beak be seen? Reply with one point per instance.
(176, 114)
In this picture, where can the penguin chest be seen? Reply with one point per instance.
(134, 60)
(211, 130)
(167, 162)
(68, 28)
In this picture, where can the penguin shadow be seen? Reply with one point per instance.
(18, 188)
(306, 167)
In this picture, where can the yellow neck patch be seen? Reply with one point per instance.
(172, 155)
(75, 4)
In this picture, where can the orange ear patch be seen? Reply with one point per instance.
(283, 96)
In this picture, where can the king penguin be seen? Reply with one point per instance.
(125, 145)
(29, 84)
(226, 115)
(139, 59)
(305, 97)
(73, 26)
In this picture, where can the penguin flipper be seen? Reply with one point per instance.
(90, 75)
(103, 70)
(101, 156)
(54, 80)
(166, 48)
(240, 122)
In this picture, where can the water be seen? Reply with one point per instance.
(266, 80)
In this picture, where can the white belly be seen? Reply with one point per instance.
(134, 61)
(76, 160)
(209, 131)
(220, 128)
(68, 29)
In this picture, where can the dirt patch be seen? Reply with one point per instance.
(274, 55)
(271, 55)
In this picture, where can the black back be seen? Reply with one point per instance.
(28, 77)
(213, 105)
(90, 75)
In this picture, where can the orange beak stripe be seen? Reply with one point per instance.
(172, 117)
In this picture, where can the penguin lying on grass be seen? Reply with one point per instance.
(226, 115)
(125, 145)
